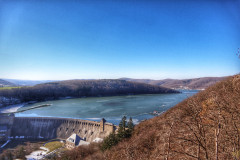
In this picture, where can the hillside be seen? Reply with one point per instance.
(205, 126)
(4, 83)
(80, 88)
(196, 83)
(27, 82)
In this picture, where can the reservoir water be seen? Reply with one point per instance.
(110, 108)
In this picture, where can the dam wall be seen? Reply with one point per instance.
(62, 128)
(6, 123)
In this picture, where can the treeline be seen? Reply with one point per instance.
(81, 88)
(196, 83)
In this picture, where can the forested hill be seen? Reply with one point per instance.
(205, 126)
(194, 83)
(81, 88)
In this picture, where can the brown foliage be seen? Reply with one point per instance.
(88, 152)
(196, 83)
(205, 126)
(19, 149)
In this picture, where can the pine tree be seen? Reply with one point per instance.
(109, 141)
(124, 131)
(130, 125)
(122, 128)
(124, 122)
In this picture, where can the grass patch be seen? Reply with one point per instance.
(2, 88)
(53, 145)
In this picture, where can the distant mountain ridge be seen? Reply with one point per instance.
(19, 82)
(4, 83)
(195, 83)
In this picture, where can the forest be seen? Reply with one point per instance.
(76, 89)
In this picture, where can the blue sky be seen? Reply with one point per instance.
(70, 39)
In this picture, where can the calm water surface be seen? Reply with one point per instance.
(111, 108)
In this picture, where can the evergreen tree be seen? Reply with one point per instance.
(109, 141)
(122, 128)
(130, 125)
(122, 124)
(124, 131)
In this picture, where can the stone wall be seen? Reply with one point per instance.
(6, 121)
(50, 128)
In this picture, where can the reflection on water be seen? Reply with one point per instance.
(111, 108)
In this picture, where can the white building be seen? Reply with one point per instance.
(74, 140)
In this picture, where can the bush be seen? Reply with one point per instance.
(83, 152)
(21, 153)
(109, 141)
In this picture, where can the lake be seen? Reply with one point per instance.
(110, 108)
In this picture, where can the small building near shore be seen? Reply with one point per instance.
(74, 141)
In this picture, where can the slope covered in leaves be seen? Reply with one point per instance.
(205, 126)
(195, 83)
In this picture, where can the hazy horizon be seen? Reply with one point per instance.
(61, 40)
(109, 78)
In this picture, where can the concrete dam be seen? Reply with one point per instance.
(51, 128)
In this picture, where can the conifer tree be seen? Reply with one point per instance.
(122, 128)
(122, 124)
(109, 141)
(130, 124)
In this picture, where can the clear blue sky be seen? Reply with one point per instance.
(70, 39)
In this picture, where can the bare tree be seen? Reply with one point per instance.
(169, 140)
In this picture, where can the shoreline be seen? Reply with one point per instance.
(12, 108)
(34, 107)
